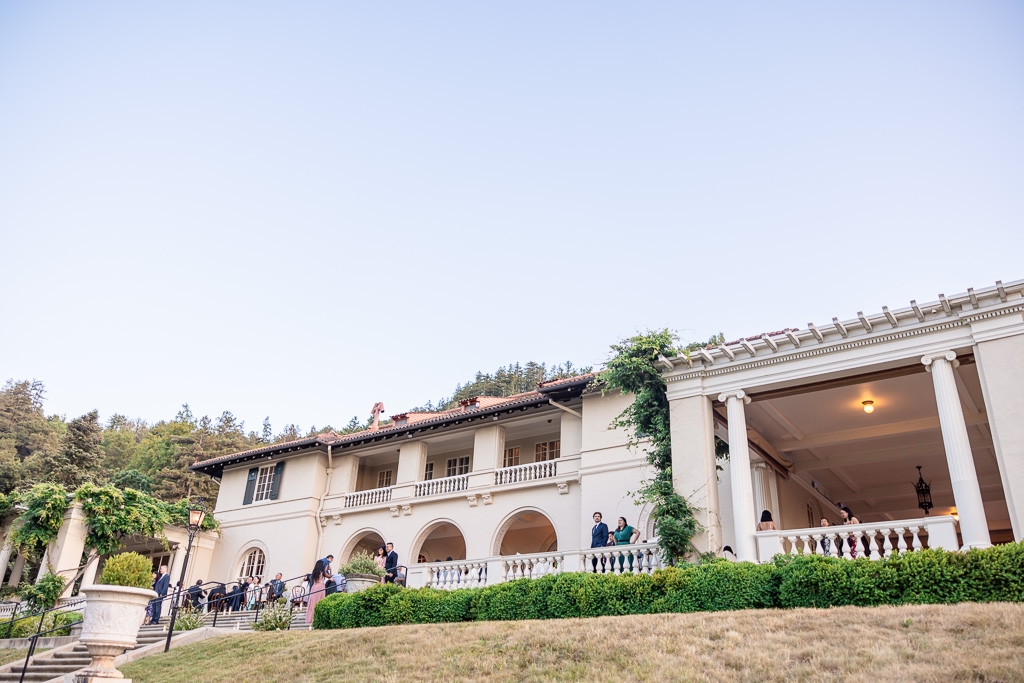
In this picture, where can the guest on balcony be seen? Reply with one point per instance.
(625, 535)
(609, 544)
(390, 564)
(766, 523)
(826, 542)
(598, 535)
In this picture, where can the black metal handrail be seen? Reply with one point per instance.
(33, 639)
(64, 608)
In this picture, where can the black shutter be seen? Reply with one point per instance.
(250, 485)
(275, 486)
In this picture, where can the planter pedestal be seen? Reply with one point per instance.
(359, 582)
(113, 615)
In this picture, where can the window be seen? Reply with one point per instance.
(264, 482)
(384, 479)
(511, 457)
(428, 472)
(548, 450)
(253, 563)
(457, 466)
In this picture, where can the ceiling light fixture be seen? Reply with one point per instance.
(869, 406)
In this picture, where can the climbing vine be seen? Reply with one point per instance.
(632, 370)
(45, 505)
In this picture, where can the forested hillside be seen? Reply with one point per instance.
(131, 453)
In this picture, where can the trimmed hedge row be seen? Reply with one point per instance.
(926, 576)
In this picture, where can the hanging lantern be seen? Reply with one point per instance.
(924, 492)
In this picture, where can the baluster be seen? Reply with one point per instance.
(916, 531)
(817, 546)
(805, 547)
(887, 543)
(846, 552)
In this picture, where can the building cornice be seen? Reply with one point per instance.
(887, 326)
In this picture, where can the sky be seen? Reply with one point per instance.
(295, 210)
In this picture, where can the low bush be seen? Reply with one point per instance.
(361, 563)
(44, 593)
(188, 619)
(925, 576)
(29, 627)
(276, 618)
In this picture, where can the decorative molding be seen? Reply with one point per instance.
(394, 510)
(337, 520)
(563, 487)
(486, 498)
(471, 498)
(407, 510)
(949, 356)
(738, 394)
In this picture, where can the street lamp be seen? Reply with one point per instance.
(196, 515)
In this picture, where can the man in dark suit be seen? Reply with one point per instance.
(161, 585)
(598, 536)
(217, 597)
(196, 594)
(390, 564)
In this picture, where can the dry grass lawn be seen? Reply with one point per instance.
(907, 643)
(7, 655)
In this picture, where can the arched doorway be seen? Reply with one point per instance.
(524, 532)
(440, 540)
(367, 541)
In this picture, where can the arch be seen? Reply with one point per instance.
(243, 552)
(530, 527)
(366, 539)
(440, 539)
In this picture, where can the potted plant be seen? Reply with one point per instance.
(114, 608)
(361, 572)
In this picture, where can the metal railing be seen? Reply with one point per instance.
(528, 472)
(34, 638)
(459, 482)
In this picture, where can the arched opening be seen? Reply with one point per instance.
(366, 541)
(525, 532)
(253, 563)
(440, 540)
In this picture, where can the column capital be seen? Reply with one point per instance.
(930, 358)
(737, 394)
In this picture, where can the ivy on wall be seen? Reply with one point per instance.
(45, 505)
(632, 370)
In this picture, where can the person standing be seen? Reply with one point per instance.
(390, 564)
(316, 589)
(162, 583)
(598, 536)
(766, 523)
(625, 535)
(277, 587)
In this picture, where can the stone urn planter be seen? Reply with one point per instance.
(113, 615)
(360, 582)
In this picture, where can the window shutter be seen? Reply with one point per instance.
(275, 486)
(250, 485)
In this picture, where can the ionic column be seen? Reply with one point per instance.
(739, 465)
(761, 476)
(966, 490)
(5, 559)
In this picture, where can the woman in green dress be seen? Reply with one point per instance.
(625, 535)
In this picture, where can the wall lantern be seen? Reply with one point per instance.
(196, 515)
(869, 406)
(924, 492)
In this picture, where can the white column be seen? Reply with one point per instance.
(89, 575)
(19, 566)
(761, 476)
(739, 460)
(5, 559)
(966, 491)
(42, 565)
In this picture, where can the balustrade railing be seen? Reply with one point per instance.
(531, 566)
(458, 574)
(370, 497)
(527, 472)
(875, 540)
(444, 485)
(641, 558)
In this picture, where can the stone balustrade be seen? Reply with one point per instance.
(875, 540)
(445, 485)
(532, 566)
(527, 472)
(369, 497)
(639, 558)
(458, 574)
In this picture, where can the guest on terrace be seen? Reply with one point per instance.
(340, 582)
(611, 542)
(848, 518)
(162, 583)
(766, 523)
(390, 564)
(316, 589)
(277, 587)
(217, 599)
(826, 542)
(196, 594)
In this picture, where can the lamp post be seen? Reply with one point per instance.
(196, 515)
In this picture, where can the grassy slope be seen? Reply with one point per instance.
(919, 643)
(7, 655)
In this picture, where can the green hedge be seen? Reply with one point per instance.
(926, 576)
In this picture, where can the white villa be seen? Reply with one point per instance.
(840, 413)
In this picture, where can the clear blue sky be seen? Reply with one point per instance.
(298, 209)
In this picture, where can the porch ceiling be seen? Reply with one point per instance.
(868, 461)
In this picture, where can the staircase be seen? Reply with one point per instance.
(72, 660)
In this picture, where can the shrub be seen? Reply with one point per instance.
(127, 569)
(28, 627)
(325, 614)
(277, 618)
(188, 619)
(428, 606)
(44, 594)
(361, 563)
